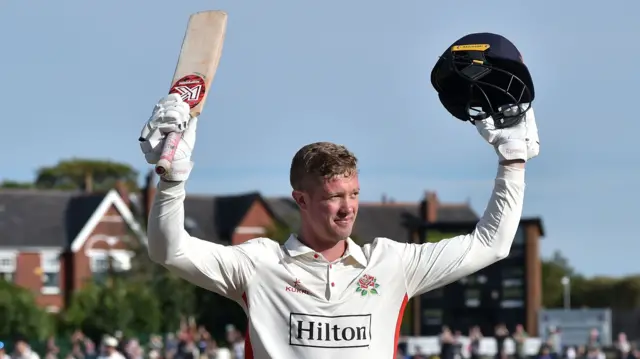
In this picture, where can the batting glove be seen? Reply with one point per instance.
(171, 114)
(520, 142)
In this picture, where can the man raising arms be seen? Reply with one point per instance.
(320, 295)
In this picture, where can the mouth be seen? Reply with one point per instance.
(343, 221)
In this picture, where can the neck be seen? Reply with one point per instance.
(330, 250)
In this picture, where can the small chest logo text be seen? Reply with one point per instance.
(296, 288)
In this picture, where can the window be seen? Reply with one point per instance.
(512, 293)
(473, 280)
(99, 267)
(102, 260)
(50, 265)
(432, 317)
(512, 304)
(515, 282)
(7, 266)
(513, 273)
(512, 296)
(472, 297)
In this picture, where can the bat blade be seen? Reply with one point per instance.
(197, 65)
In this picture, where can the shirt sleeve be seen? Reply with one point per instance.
(225, 270)
(431, 265)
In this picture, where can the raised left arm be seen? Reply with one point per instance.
(431, 265)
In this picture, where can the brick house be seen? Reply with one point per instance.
(52, 241)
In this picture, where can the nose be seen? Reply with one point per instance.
(347, 208)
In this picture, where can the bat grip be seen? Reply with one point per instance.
(168, 151)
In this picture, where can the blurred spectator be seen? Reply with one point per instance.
(457, 345)
(133, 350)
(446, 343)
(519, 337)
(475, 335)
(547, 353)
(555, 341)
(235, 338)
(623, 347)
(419, 354)
(3, 352)
(52, 349)
(171, 345)
(23, 350)
(110, 348)
(595, 353)
(593, 340)
(501, 335)
(215, 352)
(203, 339)
(187, 348)
(400, 353)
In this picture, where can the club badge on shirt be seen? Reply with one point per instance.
(367, 284)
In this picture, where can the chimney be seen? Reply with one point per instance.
(148, 193)
(429, 207)
(384, 198)
(88, 182)
(121, 187)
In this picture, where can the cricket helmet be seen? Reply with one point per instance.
(482, 75)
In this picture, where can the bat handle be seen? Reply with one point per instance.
(168, 151)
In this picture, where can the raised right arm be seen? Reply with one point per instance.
(223, 269)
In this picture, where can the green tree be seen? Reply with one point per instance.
(175, 296)
(590, 292)
(91, 174)
(20, 315)
(553, 269)
(215, 311)
(626, 292)
(116, 304)
(278, 232)
(16, 184)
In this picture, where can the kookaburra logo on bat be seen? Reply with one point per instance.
(189, 93)
(191, 89)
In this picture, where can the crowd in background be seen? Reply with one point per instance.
(452, 347)
(192, 342)
(187, 343)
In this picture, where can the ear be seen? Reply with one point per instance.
(300, 198)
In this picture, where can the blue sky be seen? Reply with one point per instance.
(79, 78)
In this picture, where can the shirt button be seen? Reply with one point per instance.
(330, 266)
(315, 256)
(333, 284)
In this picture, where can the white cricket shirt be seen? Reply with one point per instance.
(301, 306)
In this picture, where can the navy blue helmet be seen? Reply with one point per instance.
(482, 75)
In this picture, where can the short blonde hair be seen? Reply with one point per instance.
(321, 161)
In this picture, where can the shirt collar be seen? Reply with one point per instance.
(297, 248)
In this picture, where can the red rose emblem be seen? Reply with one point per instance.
(367, 284)
(367, 281)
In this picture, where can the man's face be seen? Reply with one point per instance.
(21, 347)
(330, 207)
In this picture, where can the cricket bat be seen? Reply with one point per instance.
(197, 65)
